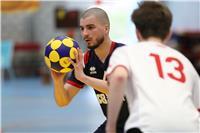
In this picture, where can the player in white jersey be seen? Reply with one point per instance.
(161, 85)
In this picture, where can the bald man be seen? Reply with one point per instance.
(90, 67)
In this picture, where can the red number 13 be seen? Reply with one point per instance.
(179, 68)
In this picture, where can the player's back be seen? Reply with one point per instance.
(160, 89)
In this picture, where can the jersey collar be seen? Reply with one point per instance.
(112, 47)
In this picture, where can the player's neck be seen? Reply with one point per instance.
(103, 50)
(154, 39)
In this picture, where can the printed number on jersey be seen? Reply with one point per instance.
(168, 61)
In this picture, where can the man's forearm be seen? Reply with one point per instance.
(60, 94)
(117, 84)
(115, 98)
(97, 84)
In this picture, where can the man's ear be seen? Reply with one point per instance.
(168, 36)
(138, 34)
(107, 28)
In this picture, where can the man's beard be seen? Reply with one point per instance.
(99, 41)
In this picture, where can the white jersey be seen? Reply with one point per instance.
(162, 90)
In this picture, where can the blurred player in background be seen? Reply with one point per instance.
(161, 85)
(89, 69)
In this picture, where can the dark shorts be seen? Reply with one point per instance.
(134, 130)
(101, 129)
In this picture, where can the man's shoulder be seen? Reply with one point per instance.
(118, 44)
(86, 56)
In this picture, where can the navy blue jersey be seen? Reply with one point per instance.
(94, 67)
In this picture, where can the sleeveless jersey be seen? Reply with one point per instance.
(94, 67)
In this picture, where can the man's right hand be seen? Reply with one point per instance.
(57, 76)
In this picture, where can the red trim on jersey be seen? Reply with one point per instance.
(115, 68)
(74, 84)
(198, 110)
(112, 47)
(86, 57)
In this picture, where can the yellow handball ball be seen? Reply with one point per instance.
(57, 52)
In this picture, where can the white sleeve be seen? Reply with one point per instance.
(118, 58)
(196, 91)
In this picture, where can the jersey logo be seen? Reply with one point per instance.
(93, 70)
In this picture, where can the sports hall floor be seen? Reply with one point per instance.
(28, 106)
